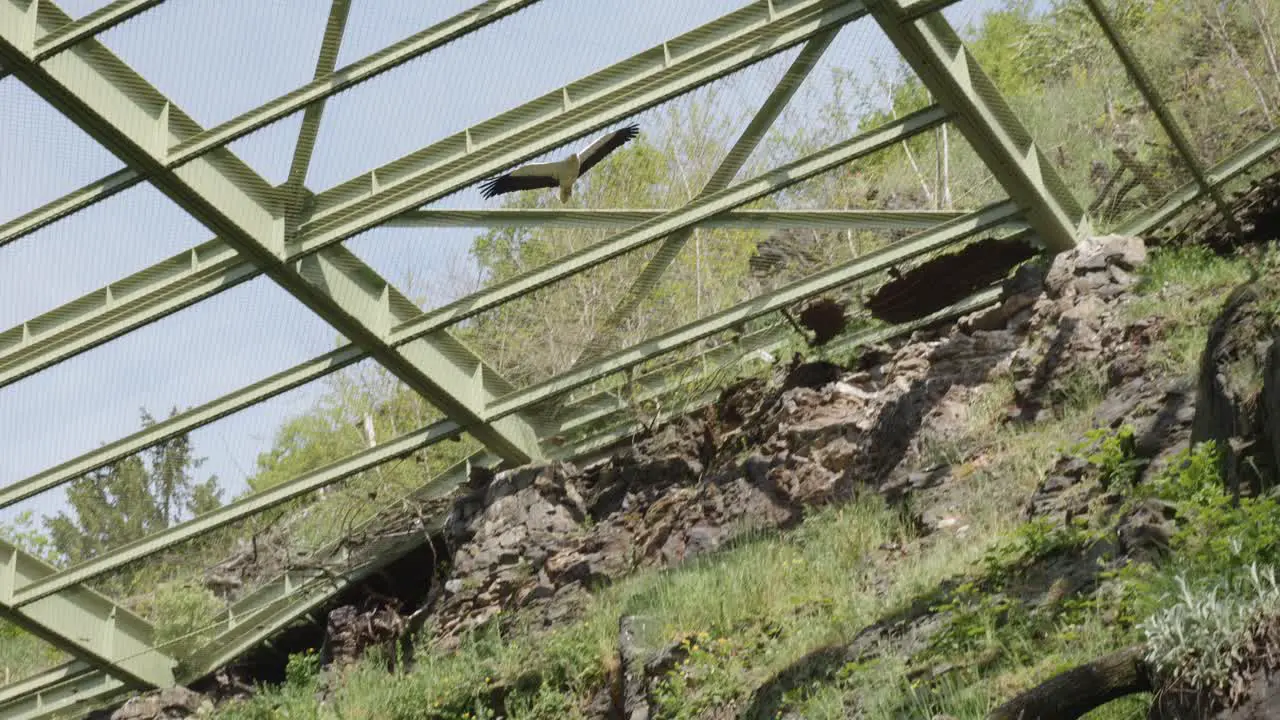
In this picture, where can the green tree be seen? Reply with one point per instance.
(132, 498)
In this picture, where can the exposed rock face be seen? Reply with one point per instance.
(1238, 403)
(167, 704)
(540, 538)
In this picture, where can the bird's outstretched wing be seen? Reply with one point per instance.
(605, 144)
(528, 177)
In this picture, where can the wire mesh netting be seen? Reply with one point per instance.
(259, 50)
(1224, 94)
(93, 248)
(515, 68)
(665, 301)
(53, 158)
(187, 359)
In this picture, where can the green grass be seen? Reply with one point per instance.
(751, 611)
(1182, 289)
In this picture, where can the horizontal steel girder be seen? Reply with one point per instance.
(613, 219)
(75, 688)
(82, 623)
(957, 82)
(873, 262)
(133, 120)
(276, 603)
(306, 96)
(257, 616)
(737, 40)
(700, 209)
(346, 355)
(181, 423)
(33, 591)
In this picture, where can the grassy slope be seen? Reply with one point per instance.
(759, 607)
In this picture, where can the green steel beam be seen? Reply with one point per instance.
(736, 40)
(66, 691)
(98, 21)
(1225, 171)
(40, 681)
(1151, 95)
(271, 607)
(51, 212)
(882, 259)
(331, 42)
(114, 310)
(604, 333)
(952, 74)
(414, 46)
(82, 623)
(277, 603)
(613, 219)
(50, 584)
(586, 412)
(920, 8)
(181, 424)
(74, 31)
(75, 688)
(316, 91)
(133, 120)
(699, 209)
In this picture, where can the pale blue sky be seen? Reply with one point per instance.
(218, 58)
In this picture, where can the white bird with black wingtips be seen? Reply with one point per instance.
(561, 174)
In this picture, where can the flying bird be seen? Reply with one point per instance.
(563, 173)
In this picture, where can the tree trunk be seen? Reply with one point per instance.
(1077, 691)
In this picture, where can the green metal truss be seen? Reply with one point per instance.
(958, 83)
(735, 41)
(294, 236)
(83, 623)
(135, 122)
(667, 223)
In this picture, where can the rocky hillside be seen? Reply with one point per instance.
(929, 529)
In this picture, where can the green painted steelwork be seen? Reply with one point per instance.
(182, 423)
(1239, 163)
(699, 209)
(957, 82)
(82, 623)
(68, 691)
(31, 591)
(75, 687)
(96, 21)
(314, 92)
(212, 267)
(613, 219)
(135, 122)
(605, 440)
